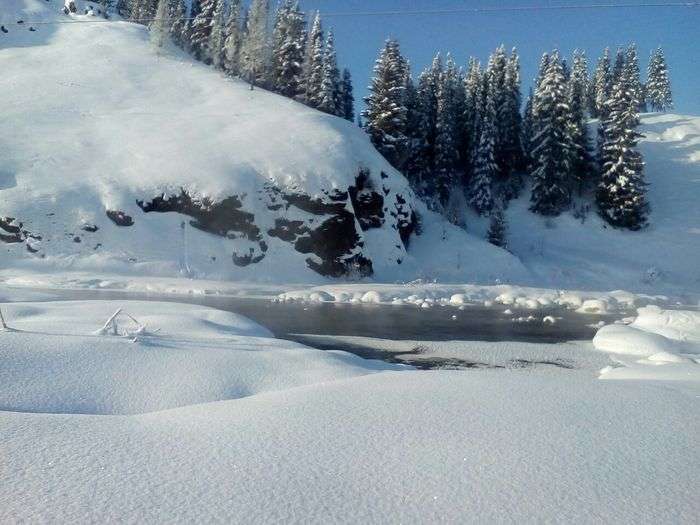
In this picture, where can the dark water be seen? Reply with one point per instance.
(297, 321)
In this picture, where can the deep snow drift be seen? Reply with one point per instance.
(320, 437)
(54, 361)
(658, 344)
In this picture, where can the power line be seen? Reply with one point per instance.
(429, 12)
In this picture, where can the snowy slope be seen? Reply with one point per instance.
(96, 123)
(568, 253)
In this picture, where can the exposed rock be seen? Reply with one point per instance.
(120, 218)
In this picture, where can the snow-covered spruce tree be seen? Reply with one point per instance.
(424, 157)
(578, 88)
(234, 39)
(619, 66)
(288, 49)
(217, 38)
(632, 76)
(484, 163)
(255, 51)
(551, 175)
(472, 114)
(159, 28)
(177, 25)
(498, 228)
(446, 147)
(602, 82)
(658, 88)
(527, 135)
(312, 71)
(201, 29)
(415, 165)
(123, 8)
(511, 129)
(346, 96)
(385, 113)
(497, 89)
(621, 195)
(329, 100)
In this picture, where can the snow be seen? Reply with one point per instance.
(529, 298)
(658, 344)
(179, 124)
(54, 362)
(209, 419)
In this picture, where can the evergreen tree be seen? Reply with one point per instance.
(551, 185)
(178, 25)
(159, 27)
(234, 39)
(446, 147)
(415, 166)
(619, 66)
(288, 49)
(200, 30)
(512, 150)
(428, 87)
(632, 77)
(621, 195)
(329, 100)
(255, 47)
(385, 114)
(601, 84)
(217, 38)
(498, 228)
(472, 114)
(497, 89)
(528, 133)
(312, 72)
(485, 167)
(658, 84)
(578, 87)
(347, 97)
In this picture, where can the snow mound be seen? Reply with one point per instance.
(53, 361)
(662, 344)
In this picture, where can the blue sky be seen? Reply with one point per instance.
(358, 39)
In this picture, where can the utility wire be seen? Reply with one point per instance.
(419, 12)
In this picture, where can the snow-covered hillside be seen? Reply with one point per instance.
(100, 134)
(116, 160)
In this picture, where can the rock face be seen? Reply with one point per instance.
(329, 228)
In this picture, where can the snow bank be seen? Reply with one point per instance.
(54, 362)
(658, 344)
(409, 447)
(522, 297)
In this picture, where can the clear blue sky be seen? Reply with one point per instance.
(359, 38)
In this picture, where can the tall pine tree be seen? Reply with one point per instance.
(288, 49)
(658, 88)
(329, 100)
(578, 88)
(551, 184)
(621, 195)
(312, 73)
(602, 82)
(346, 96)
(446, 146)
(255, 51)
(385, 113)
(234, 39)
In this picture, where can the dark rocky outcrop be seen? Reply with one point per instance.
(120, 218)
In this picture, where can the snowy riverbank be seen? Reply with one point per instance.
(205, 417)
